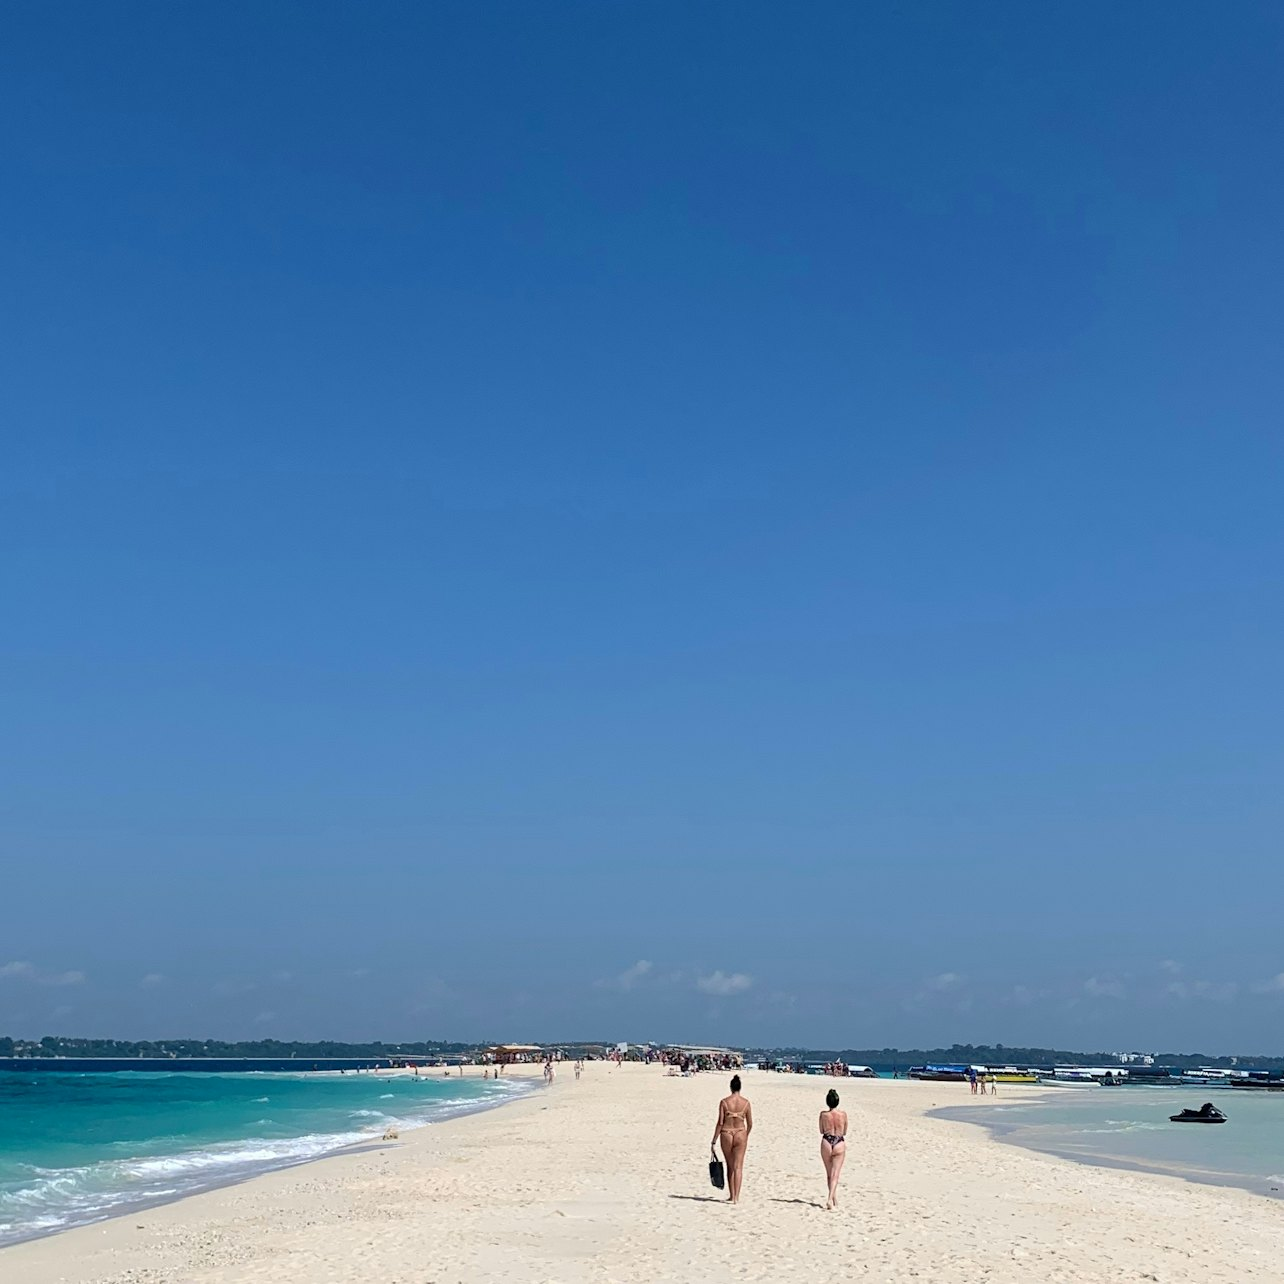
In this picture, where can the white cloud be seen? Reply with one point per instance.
(1214, 991)
(264, 1018)
(724, 983)
(935, 988)
(1272, 985)
(283, 977)
(945, 981)
(629, 977)
(1171, 966)
(1103, 988)
(151, 979)
(30, 972)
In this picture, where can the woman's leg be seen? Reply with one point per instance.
(736, 1167)
(827, 1160)
(836, 1157)
(727, 1140)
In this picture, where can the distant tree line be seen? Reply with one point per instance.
(879, 1058)
(57, 1046)
(999, 1054)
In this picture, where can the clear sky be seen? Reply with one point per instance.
(748, 522)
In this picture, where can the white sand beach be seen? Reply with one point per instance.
(605, 1179)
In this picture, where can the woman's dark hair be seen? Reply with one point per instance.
(735, 1083)
(831, 1099)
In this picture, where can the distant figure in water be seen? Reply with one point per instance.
(735, 1123)
(833, 1144)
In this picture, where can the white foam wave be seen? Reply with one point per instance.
(73, 1196)
(51, 1199)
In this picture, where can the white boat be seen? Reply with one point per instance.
(1070, 1078)
(1208, 1074)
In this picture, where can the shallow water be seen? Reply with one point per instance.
(78, 1147)
(1130, 1126)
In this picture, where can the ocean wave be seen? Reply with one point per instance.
(253, 1152)
(74, 1196)
(37, 1200)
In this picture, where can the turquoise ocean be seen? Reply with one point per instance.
(1130, 1127)
(75, 1148)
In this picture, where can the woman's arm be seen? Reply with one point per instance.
(717, 1127)
(748, 1119)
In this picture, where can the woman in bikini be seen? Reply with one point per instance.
(735, 1123)
(833, 1144)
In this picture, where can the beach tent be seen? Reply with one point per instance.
(507, 1053)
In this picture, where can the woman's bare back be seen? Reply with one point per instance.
(833, 1123)
(735, 1113)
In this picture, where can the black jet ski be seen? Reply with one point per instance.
(1206, 1114)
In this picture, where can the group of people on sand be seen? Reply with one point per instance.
(735, 1123)
(983, 1082)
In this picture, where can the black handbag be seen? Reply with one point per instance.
(717, 1176)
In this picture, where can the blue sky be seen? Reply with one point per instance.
(655, 521)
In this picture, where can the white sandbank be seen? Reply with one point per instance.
(606, 1180)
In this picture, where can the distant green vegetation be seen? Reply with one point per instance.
(998, 1054)
(55, 1046)
(880, 1058)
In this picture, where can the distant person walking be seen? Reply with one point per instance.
(731, 1132)
(833, 1144)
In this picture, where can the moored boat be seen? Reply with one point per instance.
(939, 1074)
